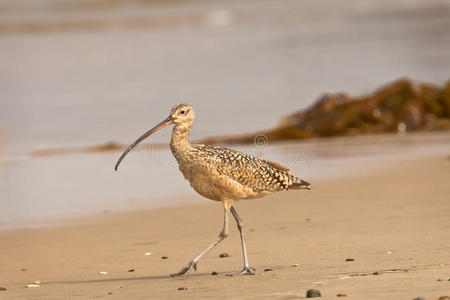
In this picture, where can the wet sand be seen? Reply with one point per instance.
(393, 221)
(80, 184)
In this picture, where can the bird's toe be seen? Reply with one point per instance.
(248, 270)
(186, 269)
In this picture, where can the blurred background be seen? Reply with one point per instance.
(77, 73)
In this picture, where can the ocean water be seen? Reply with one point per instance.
(242, 64)
(115, 71)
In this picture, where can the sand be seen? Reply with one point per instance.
(394, 222)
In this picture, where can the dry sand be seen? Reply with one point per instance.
(394, 222)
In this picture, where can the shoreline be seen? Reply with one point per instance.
(129, 189)
(392, 222)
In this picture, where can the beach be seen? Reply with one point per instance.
(382, 234)
(81, 80)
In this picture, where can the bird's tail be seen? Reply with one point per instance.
(299, 184)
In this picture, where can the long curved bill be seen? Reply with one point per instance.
(163, 124)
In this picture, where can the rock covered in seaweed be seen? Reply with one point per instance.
(401, 106)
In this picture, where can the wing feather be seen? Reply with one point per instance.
(255, 173)
(276, 165)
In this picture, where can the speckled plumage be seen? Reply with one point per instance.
(221, 174)
(227, 175)
(247, 176)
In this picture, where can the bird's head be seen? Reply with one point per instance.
(181, 114)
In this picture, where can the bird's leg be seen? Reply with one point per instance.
(222, 235)
(248, 270)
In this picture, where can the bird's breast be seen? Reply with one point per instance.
(214, 186)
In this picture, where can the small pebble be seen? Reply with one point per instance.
(109, 293)
(350, 259)
(267, 270)
(214, 273)
(164, 257)
(419, 298)
(32, 285)
(103, 272)
(389, 252)
(313, 293)
(222, 255)
(3, 288)
(296, 265)
(182, 288)
(148, 253)
(23, 270)
(439, 279)
(37, 282)
(444, 298)
(341, 295)
(376, 273)
(131, 270)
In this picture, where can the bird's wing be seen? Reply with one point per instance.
(257, 174)
(276, 165)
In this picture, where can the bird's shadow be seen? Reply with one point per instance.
(157, 277)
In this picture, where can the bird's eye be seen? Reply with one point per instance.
(182, 112)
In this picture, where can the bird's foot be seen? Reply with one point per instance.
(186, 269)
(248, 270)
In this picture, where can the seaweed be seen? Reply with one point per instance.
(401, 106)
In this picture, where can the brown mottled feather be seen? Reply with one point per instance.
(224, 174)
(276, 165)
(257, 174)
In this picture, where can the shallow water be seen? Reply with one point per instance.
(265, 59)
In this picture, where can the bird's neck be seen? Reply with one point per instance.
(180, 135)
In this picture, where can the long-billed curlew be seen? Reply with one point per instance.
(221, 174)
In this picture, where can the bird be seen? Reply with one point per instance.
(222, 175)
